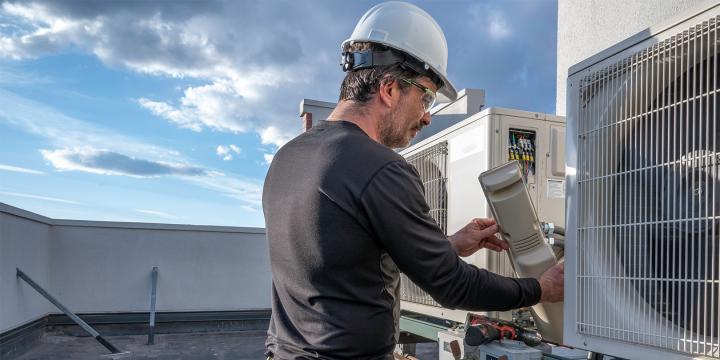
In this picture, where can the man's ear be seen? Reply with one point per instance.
(387, 92)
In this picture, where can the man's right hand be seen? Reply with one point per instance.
(551, 283)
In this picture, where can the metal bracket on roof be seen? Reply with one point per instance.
(153, 292)
(69, 313)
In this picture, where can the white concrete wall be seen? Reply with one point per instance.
(105, 266)
(24, 244)
(587, 27)
(99, 269)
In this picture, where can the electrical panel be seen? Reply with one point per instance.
(521, 148)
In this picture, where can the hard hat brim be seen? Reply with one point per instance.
(447, 93)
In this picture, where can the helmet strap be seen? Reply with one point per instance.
(359, 60)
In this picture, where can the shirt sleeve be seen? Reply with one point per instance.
(396, 211)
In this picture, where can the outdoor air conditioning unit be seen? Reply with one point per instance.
(642, 241)
(449, 163)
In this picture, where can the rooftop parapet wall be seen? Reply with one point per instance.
(25, 243)
(94, 266)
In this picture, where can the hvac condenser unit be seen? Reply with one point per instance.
(642, 249)
(449, 163)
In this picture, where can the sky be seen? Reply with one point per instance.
(170, 111)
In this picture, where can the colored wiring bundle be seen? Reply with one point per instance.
(522, 149)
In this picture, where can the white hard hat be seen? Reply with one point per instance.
(411, 30)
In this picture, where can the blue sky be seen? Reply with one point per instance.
(170, 111)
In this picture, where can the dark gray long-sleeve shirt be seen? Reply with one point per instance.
(344, 215)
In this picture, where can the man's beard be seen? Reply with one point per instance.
(392, 135)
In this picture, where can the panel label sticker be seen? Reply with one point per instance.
(555, 189)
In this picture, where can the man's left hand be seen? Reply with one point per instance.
(478, 234)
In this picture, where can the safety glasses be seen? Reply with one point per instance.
(428, 97)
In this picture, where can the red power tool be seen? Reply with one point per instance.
(483, 330)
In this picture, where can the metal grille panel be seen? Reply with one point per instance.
(431, 164)
(647, 175)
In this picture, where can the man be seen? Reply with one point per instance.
(345, 213)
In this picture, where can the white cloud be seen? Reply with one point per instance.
(252, 83)
(225, 152)
(105, 162)
(159, 214)
(252, 209)
(168, 112)
(521, 76)
(20, 170)
(268, 158)
(275, 136)
(497, 25)
(17, 76)
(246, 190)
(81, 146)
(63, 131)
(490, 19)
(228, 105)
(39, 197)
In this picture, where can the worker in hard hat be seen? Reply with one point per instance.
(345, 214)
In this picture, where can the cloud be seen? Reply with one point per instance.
(105, 162)
(229, 105)
(168, 112)
(522, 75)
(63, 131)
(225, 151)
(20, 170)
(247, 190)
(250, 208)
(39, 197)
(248, 77)
(514, 50)
(275, 136)
(251, 75)
(159, 214)
(497, 25)
(268, 158)
(17, 76)
(490, 18)
(81, 146)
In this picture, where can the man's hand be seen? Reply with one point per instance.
(478, 234)
(551, 283)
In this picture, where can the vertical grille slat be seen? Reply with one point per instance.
(431, 165)
(647, 172)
